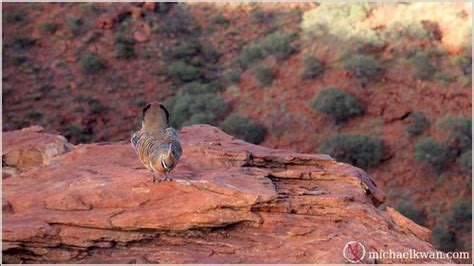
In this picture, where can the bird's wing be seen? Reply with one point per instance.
(134, 140)
(171, 136)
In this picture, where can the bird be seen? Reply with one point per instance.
(157, 144)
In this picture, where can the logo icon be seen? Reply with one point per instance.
(353, 251)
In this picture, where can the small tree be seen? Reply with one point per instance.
(337, 104)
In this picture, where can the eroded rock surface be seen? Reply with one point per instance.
(230, 202)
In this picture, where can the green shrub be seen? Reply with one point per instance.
(192, 60)
(312, 67)
(18, 59)
(337, 104)
(34, 115)
(443, 239)
(461, 215)
(95, 107)
(343, 23)
(359, 150)
(201, 118)
(92, 8)
(209, 54)
(193, 52)
(23, 42)
(465, 163)
(90, 63)
(232, 76)
(424, 70)
(179, 21)
(77, 135)
(459, 134)
(124, 47)
(183, 72)
(258, 16)
(414, 214)
(185, 50)
(276, 43)
(418, 125)
(49, 27)
(251, 54)
(196, 88)
(465, 64)
(264, 75)
(195, 103)
(221, 20)
(415, 30)
(399, 32)
(437, 155)
(14, 16)
(243, 128)
(74, 25)
(363, 66)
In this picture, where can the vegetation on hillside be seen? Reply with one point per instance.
(359, 150)
(337, 104)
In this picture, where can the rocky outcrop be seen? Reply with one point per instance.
(230, 202)
(28, 148)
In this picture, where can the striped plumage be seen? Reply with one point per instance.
(157, 145)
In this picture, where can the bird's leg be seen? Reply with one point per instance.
(166, 176)
(153, 176)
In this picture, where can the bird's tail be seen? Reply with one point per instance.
(155, 119)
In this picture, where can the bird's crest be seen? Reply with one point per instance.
(155, 118)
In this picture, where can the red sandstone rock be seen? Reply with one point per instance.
(27, 148)
(108, 20)
(230, 202)
(136, 11)
(150, 6)
(143, 33)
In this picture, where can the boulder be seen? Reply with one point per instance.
(28, 148)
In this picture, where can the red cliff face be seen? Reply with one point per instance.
(230, 202)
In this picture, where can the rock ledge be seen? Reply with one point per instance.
(231, 202)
